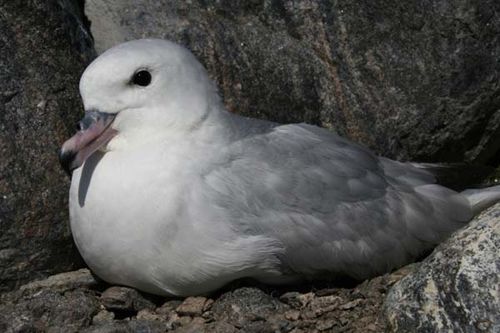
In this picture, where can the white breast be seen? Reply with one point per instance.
(142, 219)
(116, 206)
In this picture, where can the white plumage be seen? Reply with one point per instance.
(186, 197)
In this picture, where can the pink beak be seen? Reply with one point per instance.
(94, 131)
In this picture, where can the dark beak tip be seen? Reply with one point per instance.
(66, 159)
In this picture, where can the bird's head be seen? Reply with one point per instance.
(136, 89)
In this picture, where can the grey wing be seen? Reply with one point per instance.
(332, 204)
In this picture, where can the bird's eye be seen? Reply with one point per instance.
(142, 78)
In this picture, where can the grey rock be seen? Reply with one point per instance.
(456, 288)
(297, 300)
(411, 79)
(221, 327)
(62, 282)
(47, 311)
(247, 308)
(132, 326)
(44, 47)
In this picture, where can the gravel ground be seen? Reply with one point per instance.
(76, 302)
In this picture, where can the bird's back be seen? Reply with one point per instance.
(333, 205)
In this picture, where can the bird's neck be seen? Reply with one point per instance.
(215, 127)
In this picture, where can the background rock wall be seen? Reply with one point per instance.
(44, 47)
(414, 80)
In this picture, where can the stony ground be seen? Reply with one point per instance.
(76, 302)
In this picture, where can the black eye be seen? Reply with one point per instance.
(142, 78)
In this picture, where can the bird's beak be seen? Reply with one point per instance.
(94, 131)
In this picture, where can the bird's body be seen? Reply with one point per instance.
(182, 205)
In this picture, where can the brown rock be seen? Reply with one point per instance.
(169, 307)
(351, 304)
(103, 316)
(193, 326)
(192, 306)
(220, 327)
(148, 314)
(324, 325)
(208, 304)
(123, 298)
(292, 315)
(180, 321)
(320, 305)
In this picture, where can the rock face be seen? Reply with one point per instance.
(43, 49)
(414, 80)
(74, 302)
(457, 288)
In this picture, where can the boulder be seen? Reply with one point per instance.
(456, 289)
(44, 47)
(414, 80)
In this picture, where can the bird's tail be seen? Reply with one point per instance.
(480, 199)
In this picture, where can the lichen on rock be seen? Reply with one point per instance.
(457, 287)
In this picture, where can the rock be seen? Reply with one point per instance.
(412, 80)
(324, 325)
(245, 306)
(150, 315)
(296, 299)
(456, 288)
(194, 326)
(44, 47)
(62, 303)
(103, 317)
(320, 305)
(62, 282)
(169, 306)
(193, 306)
(175, 321)
(124, 299)
(351, 304)
(48, 311)
(292, 315)
(131, 326)
(220, 327)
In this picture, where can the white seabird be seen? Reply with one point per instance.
(173, 195)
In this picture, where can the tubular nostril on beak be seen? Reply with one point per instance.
(94, 131)
(90, 118)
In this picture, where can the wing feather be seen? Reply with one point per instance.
(333, 205)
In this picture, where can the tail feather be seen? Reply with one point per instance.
(458, 176)
(480, 199)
